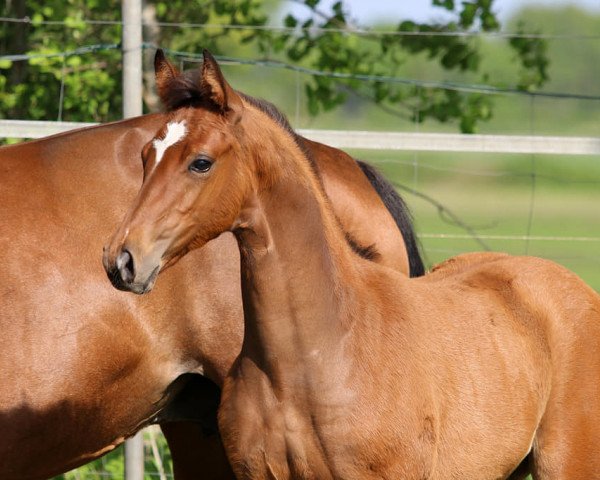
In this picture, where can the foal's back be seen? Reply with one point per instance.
(512, 346)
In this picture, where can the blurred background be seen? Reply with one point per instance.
(501, 67)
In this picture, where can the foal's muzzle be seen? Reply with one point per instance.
(123, 275)
(125, 267)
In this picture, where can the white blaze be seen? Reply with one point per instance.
(175, 132)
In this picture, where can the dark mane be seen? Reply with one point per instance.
(270, 110)
(401, 214)
(183, 91)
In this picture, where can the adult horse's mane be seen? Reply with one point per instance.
(401, 214)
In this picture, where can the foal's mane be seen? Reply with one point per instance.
(185, 91)
(280, 119)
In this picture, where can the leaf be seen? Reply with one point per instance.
(467, 16)
(447, 4)
(313, 103)
(290, 21)
(338, 9)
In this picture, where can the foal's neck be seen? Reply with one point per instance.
(295, 269)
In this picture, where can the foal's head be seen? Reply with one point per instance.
(198, 172)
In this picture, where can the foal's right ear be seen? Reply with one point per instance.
(165, 72)
(215, 88)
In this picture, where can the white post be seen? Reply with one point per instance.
(132, 107)
(132, 58)
(134, 457)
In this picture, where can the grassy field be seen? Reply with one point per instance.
(552, 200)
(157, 462)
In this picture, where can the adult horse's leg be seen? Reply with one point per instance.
(190, 427)
(196, 454)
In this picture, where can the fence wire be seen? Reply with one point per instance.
(313, 29)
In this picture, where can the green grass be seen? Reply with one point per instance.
(157, 458)
(496, 195)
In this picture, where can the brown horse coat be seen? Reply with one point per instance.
(84, 366)
(349, 369)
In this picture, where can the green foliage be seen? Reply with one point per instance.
(317, 39)
(337, 51)
(90, 83)
(532, 54)
(112, 465)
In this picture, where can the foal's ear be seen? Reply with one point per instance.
(165, 72)
(215, 87)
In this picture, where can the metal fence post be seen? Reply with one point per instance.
(132, 57)
(134, 457)
(132, 107)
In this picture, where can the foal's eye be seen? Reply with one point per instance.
(200, 165)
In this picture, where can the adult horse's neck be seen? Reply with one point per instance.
(295, 266)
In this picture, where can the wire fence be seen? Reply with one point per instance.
(420, 165)
(316, 29)
(193, 57)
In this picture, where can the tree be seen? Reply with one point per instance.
(348, 61)
(91, 82)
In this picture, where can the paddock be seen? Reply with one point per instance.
(563, 224)
(526, 188)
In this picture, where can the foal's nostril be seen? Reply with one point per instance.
(125, 266)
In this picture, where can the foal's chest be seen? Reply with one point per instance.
(272, 438)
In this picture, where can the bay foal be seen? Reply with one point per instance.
(349, 369)
(84, 366)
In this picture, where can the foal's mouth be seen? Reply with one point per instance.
(148, 285)
(139, 288)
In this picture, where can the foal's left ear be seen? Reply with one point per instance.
(215, 87)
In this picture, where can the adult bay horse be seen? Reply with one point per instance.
(83, 366)
(349, 369)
